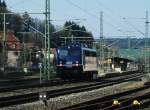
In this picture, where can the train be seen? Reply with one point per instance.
(76, 61)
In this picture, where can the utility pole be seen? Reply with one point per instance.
(147, 66)
(24, 51)
(4, 42)
(129, 39)
(101, 42)
(47, 40)
(129, 42)
(65, 41)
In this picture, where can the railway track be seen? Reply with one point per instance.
(31, 84)
(34, 83)
(16, 84)
(130, 100)
(9, 86)
(31, 97)
(138, 102)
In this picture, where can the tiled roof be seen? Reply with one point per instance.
(12, 41)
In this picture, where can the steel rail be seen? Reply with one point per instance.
(18, 84)
(20, 99)
(128, 103)
(105, 103)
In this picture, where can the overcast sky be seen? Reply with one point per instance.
(121, 17)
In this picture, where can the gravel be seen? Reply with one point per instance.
(32, 90)
(75, 98)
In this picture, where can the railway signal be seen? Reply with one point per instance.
(43, 97)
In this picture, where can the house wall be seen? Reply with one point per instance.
(12, 60)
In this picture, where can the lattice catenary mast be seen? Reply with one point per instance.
(147, 65)
(101, 42)
(47, 40)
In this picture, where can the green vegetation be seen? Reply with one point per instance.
(22, 23)
(72, 32)
(132, 54)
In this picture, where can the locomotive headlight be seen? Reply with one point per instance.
(37, 55)
(77, 63)
(60, 63)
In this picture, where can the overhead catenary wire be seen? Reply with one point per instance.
(70, 2)
(84, 10)
(17, 3)
(90, 14)
(133, 26)
(108, 10)
(55, 20)
(99, 3)
(65, 27)
(12, 6)
(125, 20)
(122, 18)
(42, 11)
(92, 26)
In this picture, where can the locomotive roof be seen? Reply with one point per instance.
(83, 48)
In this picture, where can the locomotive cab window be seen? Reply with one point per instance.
(89, 53)
(63, 53)
(69, 52)
(74, 52)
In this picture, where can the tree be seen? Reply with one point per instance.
(13, 21)
(39, 25)
(79, 33)
(3, 9)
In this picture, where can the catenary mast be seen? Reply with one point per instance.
(147, 44)
(47, 40)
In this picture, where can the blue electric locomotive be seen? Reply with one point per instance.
(76, 61)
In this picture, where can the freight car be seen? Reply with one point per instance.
(76, 61)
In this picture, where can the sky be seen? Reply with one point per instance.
(121, 18)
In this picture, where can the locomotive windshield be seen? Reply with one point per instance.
(74, 52)
(69, 52)
(63, 53)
